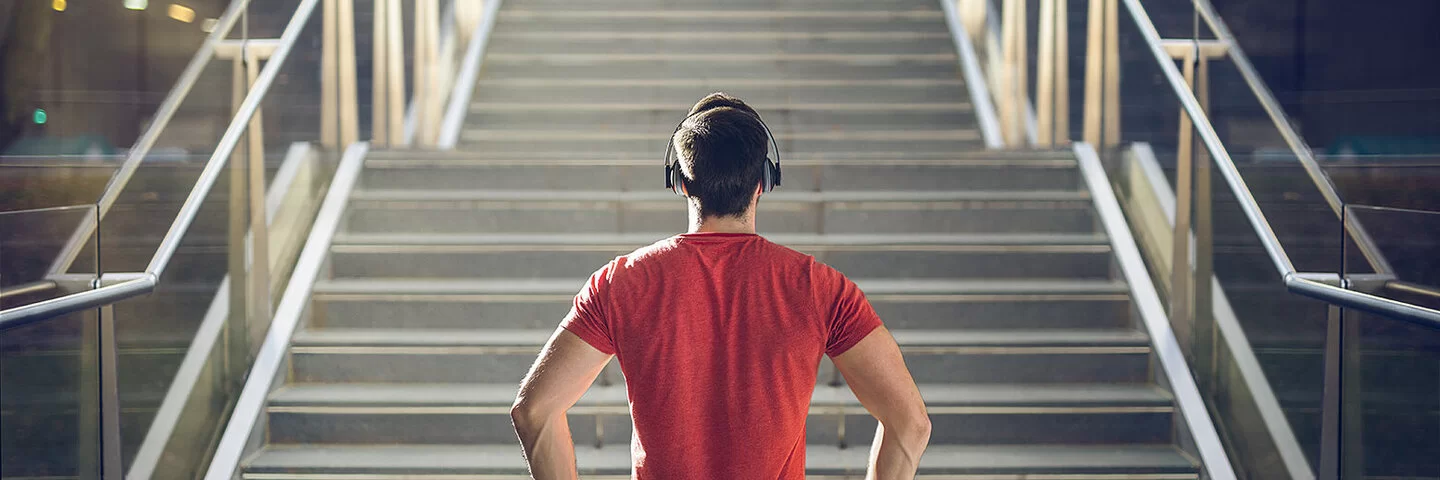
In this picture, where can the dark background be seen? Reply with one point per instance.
(1342, 69)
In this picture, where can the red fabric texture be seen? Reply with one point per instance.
(719, 337)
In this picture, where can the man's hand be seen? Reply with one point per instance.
(566, 368)
(876, 373)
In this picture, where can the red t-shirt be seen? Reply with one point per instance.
(719, 337)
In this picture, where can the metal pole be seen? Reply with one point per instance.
(259, 286)
(236, 339)
(109, 397)
(379, 75)
(347, 108)
(329, 81)
(1330, 398)
(1181, 305)
(1094, 73)
(1045, 77)
(1205, 339)
(1062, 71)
(1112, 74)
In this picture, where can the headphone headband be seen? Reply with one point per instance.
(770, 177)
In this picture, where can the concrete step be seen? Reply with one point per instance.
(878, 138)
(641, 173)
(478, 413)
(345, 304)
(756, 94)
(276, 462)
(331, 355)
(773, 66)
(783, 118)
(574, 212)
(931, 256)
(619, 42)
(781, 5)
(704, 19)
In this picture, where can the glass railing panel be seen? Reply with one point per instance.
(1271, 341)
(30, 240)
(209, 313)
(1398, 181)
(46, 181)
(49, 383)
(1391, 380)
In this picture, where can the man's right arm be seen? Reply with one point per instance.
(877, 374)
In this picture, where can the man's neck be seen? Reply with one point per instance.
(700, 224)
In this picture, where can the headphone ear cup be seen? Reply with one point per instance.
(771, 176)
(677, 180)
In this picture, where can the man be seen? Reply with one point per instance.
(719, 334)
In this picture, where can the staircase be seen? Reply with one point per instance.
(450, 270)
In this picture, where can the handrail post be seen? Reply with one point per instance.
(1052, 82)
(1014, 75)
(427, 45)
(339, 122)
(1102, 76)
(259, 260)
(388, 72)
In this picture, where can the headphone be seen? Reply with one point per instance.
(675, 180)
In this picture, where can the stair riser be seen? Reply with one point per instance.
(429, 367)
(1019, 429)
(663, 118)
(928, 23)
(1036, 367)
(774, 217)
(540, 262)
(521, 45)
(796, 178)
(561, 146)
(897, 313)
(495, 428)
(757, 96)
(717, 72)
(926, 368)
(861, 5)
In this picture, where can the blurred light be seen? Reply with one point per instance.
(182, 13)
(58, 5)
(40, 116)
(137, 4)
(208, 25)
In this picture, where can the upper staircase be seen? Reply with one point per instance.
(450, 270)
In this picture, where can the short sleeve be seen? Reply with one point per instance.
(848, 315)
(588, 317)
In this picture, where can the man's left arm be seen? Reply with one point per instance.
(566, 368)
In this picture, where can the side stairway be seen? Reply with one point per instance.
(450, 270)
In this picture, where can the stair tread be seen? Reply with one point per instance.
(471, 394)
(569, 286)
(537, 337)
(673, 107)
(1019, 155)
(626, 240)
(663, 195)
(945, 458)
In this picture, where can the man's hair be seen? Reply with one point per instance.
(721, 149)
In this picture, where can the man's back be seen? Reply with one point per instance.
(719, 337)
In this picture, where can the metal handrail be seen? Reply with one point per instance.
(1171, 359)
(126, 285)
(1295, 281)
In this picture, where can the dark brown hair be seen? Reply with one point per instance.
(721, 149)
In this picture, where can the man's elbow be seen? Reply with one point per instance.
(912, 429)
(527, 416)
